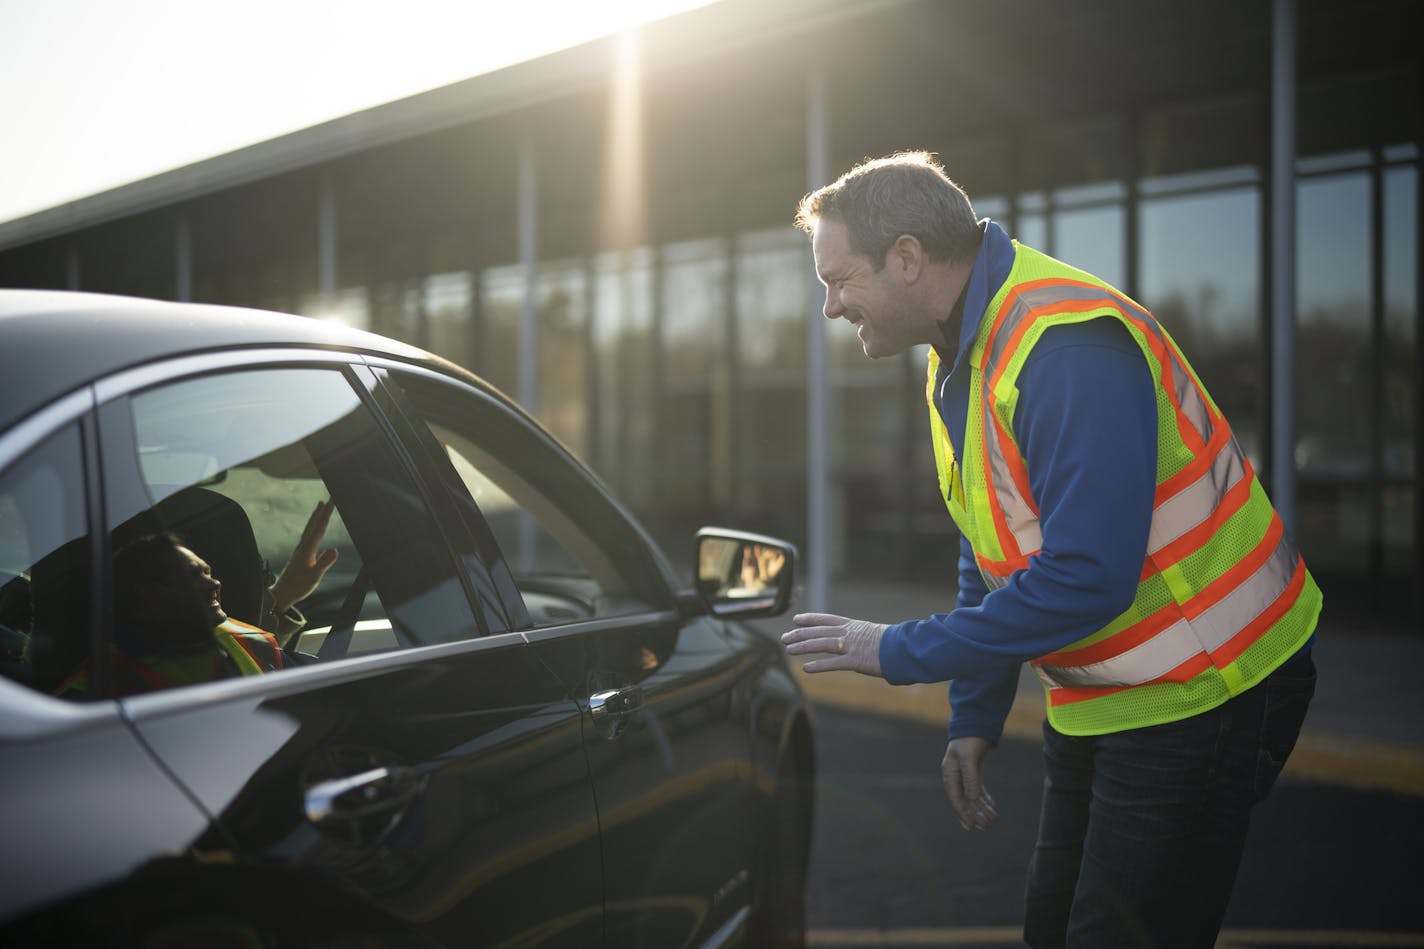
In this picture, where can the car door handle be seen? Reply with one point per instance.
(614, 704)
(357, 796)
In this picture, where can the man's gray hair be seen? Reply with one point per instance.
(904, 193)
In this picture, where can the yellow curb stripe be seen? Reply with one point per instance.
(979, 935)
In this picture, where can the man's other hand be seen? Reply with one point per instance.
(963, 773)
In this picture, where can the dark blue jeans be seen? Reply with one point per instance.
(1142, 831)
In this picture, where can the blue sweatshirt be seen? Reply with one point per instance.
(1086, 421)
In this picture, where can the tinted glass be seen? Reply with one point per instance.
(572, 555)
(281, 485)
(44, 564)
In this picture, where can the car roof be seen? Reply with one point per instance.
(54, 342)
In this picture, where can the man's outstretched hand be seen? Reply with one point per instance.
(853, 644)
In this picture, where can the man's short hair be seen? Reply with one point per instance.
(905, 193)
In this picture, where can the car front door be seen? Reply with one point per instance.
(412, 773)
(666, 738)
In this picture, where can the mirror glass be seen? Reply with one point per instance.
(736, 575)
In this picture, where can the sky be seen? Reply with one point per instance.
(98, 93)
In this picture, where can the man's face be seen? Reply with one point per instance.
(873, 301)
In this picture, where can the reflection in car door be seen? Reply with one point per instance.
(667, 748)
(444, 786)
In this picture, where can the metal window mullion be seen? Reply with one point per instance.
(817, 374)
(1283, 223)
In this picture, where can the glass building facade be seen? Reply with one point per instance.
(677, 360)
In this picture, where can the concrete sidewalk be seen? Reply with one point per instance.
(1365, 727)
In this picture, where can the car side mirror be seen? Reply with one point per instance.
(744, 575)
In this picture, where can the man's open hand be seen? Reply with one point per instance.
(854, 644)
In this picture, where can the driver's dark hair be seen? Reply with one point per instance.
(883, 198)
(139, 565)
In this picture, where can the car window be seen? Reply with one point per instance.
(44, 563)
(278, 485)
(572, 555)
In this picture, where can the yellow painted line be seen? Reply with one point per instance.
(1318, 756)
(1009, 935)
(954, 936)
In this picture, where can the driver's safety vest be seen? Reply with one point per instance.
(1223, 597)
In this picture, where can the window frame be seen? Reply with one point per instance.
(113, 396)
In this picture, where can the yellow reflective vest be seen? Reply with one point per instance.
(1224, 596)
(252, 651)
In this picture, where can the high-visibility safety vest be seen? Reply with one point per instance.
(1224, 596)
(251, 650)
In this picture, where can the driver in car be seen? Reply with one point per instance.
(169, 625)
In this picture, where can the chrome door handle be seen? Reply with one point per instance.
(613, 704)
(360, 795)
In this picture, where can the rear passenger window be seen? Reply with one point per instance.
(44, 563)
(270, 526)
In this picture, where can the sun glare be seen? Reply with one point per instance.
(101, 113)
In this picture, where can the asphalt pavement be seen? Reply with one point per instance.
(1332, 859)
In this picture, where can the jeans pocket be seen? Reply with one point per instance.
(1288, 693)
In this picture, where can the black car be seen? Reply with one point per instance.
(499, 719)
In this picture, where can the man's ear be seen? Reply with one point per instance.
(907, 256)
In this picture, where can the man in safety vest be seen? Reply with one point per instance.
(1113, 535)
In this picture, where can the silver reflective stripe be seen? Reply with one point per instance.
(1021, 520)
(1197, 501)
(1184, 639)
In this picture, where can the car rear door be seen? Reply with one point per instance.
(664, 724)
(413, 759)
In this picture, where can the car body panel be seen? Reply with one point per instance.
(547, 781)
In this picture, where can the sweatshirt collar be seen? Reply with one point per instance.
(991, 269)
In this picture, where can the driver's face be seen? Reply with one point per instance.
(207, 587)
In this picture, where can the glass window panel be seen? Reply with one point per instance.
(1032, 229)
(501, 301)
(44, 565)
(282, 486)
(1333, 341)
(623, 348)
(1401, 393)
(449, 306)
(773, 271)
(1200, 273)
(571, 556)
(1401, 306)
(1334, 381)
(1092, 239)
(563, 373)
(696, 398)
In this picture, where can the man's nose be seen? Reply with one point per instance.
(833, 308)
